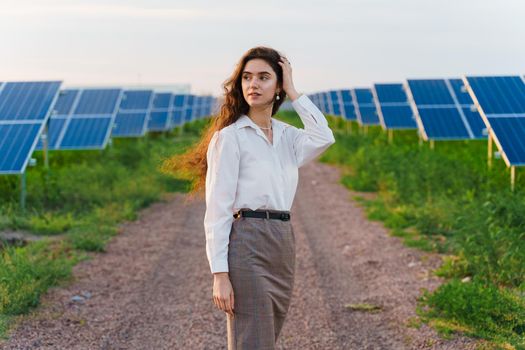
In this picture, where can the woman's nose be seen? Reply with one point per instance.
(254, 82)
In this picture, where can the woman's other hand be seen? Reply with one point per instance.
(223, 292)
(288, 86)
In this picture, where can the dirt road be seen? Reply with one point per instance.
(152, 288)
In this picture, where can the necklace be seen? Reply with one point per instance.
(270, 128)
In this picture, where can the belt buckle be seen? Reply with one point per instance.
(285, 216)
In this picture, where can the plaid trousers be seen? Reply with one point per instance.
(261, 260)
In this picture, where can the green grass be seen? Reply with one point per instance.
(443, 200)
(447, 200)
(481, 308)
(82, 197)
(27, 272)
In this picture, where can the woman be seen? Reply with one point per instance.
(251, 173)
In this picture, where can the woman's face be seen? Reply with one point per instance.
(259, 83)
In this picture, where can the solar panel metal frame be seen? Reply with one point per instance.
(132, 111)
(341, 103)
(456, 105)
(379, 110)
(486, 120)
(73, 116)
(42, 123)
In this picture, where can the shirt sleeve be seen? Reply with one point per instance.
(221, 185)
(316, 136)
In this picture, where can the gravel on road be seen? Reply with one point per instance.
(152, 288)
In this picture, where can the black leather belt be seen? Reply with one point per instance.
(263, 214)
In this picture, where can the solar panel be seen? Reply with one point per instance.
(159, 118)
(177, 110)
(347, 105)
(443, 112)
(393, 107)
(188, 110)
(499, 94)
(317, 100)
(320, 103)
(312, 97)
(62, 110)
(90, 123)
(335, 103)
(501, 102)
(131, 119)
(25, 107)
(206, 106)
(196, 111)
(472, 116)
(325, 103)
(211, 105)
(86, 133)
(365, 108)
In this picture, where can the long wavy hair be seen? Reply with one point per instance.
(193, 163)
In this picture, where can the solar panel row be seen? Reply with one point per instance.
(442, 109)
(439, 107)
(337, 102)
(32, 113)
(86, 118)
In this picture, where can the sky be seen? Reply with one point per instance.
(330, 44)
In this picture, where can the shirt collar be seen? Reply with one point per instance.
(243, 121)
(278, 127)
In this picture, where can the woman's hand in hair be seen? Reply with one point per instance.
(288, 86)
(223, 292)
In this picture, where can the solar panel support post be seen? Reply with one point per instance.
(512, 177)
(431, 144)
(349, 127)
(23, 192)
(489, 155)
(45, 147)
(390, 136)
(181, 132)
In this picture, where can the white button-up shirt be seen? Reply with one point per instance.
(245, 170)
